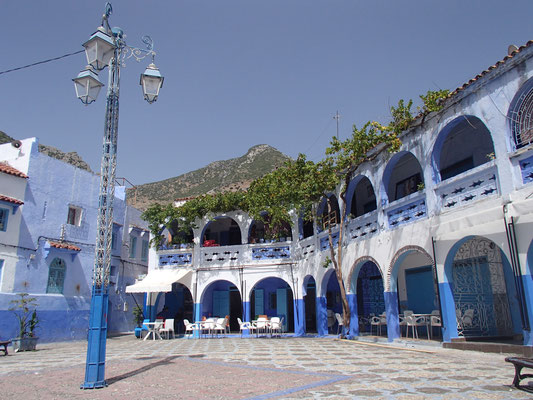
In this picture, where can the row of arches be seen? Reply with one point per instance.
(477, 276)
(464, 144)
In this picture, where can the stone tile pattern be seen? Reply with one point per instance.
(258, 368)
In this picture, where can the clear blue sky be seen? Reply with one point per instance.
(240, 73)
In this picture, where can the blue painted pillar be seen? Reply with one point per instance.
(197, 317)
(299, 317)
(321, 316)
(391, 308)
(528, 294)
(246, 317)
(353, 330)
(449, 319)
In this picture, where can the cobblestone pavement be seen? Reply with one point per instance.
(258, 368)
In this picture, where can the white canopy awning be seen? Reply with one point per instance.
(159, 280)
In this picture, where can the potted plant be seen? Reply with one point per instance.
(138, 317)
(28, 322)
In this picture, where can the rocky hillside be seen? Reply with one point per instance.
(233, 174)
(72, 158)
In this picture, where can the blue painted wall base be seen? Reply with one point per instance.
(299, 317)
(353, 330)
(321, 316)
(391, 308)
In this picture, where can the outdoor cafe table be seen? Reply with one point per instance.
(264, 325)
(153, 328)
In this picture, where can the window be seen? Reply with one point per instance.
(144, 251)
(56, 276)
(520, 112)
(133, 246)
(4, 212)
(74, 216)
(114, 240)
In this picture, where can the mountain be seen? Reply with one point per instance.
(233, 174)
(72, 158)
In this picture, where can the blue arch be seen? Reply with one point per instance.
(214, 220)
(441, 138)
(446, 290)
(351, 191)
(384, 195)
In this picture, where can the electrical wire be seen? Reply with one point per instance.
(41, 62)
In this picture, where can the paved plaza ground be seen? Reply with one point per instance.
(258, 368)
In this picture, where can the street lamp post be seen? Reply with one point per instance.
(107, 47)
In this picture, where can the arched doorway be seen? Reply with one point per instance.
(222, 298)
(309, 291)
(370, 300)
(177, 304)
(411, 288)
(330, 304)
(273, 297)
(484, 295)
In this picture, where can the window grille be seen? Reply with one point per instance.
(56, 276)
(522, 120)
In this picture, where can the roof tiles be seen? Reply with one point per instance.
(64, 246)
(8, 169)
(11, 200)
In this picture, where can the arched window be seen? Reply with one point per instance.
(521, 115)
(56, 276)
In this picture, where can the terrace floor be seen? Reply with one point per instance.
(259, 368)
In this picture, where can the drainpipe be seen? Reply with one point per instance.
(436, 279)
(517, 270)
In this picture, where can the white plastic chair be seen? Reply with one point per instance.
(245, 325)
(168, 328)
(414, 323)
(375, 321)
(219, 326)
(190, 328)
(340, 323)
(276, 325)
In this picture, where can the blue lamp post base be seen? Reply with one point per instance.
(96, 341)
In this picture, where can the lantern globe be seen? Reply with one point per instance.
(151, 81)
(99, 49)
(87, 85)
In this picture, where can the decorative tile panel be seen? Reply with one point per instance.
(526, 168)
(324, 241)
(402, 212)
(363, 227)
(175, 259)
(477, 185)
(269, 253)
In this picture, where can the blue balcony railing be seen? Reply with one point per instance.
(467, 188)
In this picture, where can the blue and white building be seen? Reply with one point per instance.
(48, 214)
(444, 224)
